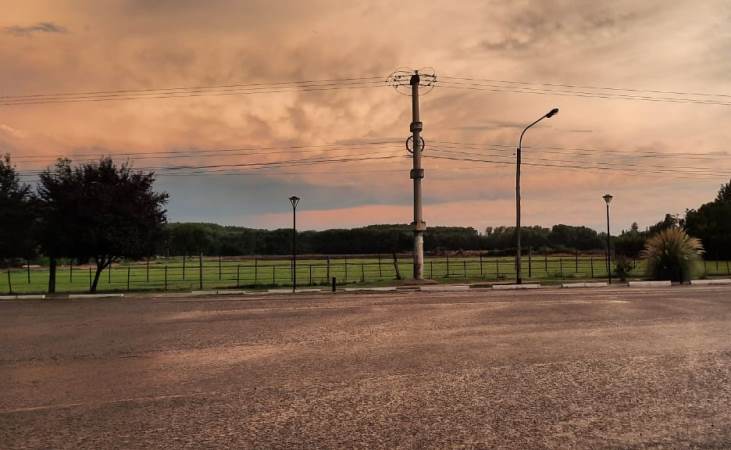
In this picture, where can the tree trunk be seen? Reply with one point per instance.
(100, 266)
(395, 266)
(52, 275)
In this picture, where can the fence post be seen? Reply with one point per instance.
(166, 277)
(200, 271)
(362, 273)
(129, 269)
(464, 267)
(184, 258)
(90, 278)
(71, 271)
(545, 261)
(27, 265)
(328, 267)
(447, 264)
(530, 262)
(591, 261)
(238, 275)
(481, 273)
(431, 269)
(256, 270)
(346, 270)
(109, 274)
(577, 261)
(10, 284)
(147, 270)
(380, 271)
(310, 274)
(219, 268)
(274, 274)
(560, 265)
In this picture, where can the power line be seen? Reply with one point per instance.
(195, 93)
(577, 86)
(608, 96)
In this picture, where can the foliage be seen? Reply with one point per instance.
(630, 243)
(100, 211)
(672, 255)
(622, 267)
(16, 214)
(712, 224)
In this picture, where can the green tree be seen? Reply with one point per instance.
(16, 214)
(712, 224)
(100, 211)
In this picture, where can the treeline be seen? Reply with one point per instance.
(211, 239)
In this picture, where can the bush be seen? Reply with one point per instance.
(672, 255)
(623, 267)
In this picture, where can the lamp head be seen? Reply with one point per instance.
(294, 200)
(552, 113)
(608, 198)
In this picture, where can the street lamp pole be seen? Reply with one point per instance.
(294, 201)
(608, 200)
(518, 274)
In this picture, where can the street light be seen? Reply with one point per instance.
(548, 115)
(294, 200)
(608, 199)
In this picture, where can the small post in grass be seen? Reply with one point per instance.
(90, 282)
(200, 271)
(238, 275)
(129, 270)
(147, 270)
(530, 262)
(166, 277)
(27, 265)
(10, 284)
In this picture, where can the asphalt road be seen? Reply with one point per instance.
(606, 368)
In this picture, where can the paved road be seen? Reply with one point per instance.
(601, 368)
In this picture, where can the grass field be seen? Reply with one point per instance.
(186, 273)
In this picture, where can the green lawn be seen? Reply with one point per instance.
(185, 274)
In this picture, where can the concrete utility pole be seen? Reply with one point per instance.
(417, 173)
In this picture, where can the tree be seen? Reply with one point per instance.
(100, 211)
(16, 214)
(712, 224)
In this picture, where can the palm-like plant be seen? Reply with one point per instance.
(672, 255)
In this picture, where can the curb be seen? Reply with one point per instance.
(710, 282)
(23, 297)
(666, 283)
(584, 285)
(78, 296)
(372, 289)
(515, 286)
(445, 288)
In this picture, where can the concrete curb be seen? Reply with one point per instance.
(710, 282)
(584, 285)
(506, 287)
(666, 283)
(371, 289)
(445, 288)
(210, 292)
(78, 296)
(23, 297)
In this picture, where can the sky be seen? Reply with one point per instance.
(621, 72)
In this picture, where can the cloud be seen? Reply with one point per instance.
(40, 27)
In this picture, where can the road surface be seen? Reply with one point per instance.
(602, 368)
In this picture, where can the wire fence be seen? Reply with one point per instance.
(165, 274)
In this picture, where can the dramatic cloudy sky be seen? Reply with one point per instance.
(652, 45)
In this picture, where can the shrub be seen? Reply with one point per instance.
(672, 255)
(623, 267)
